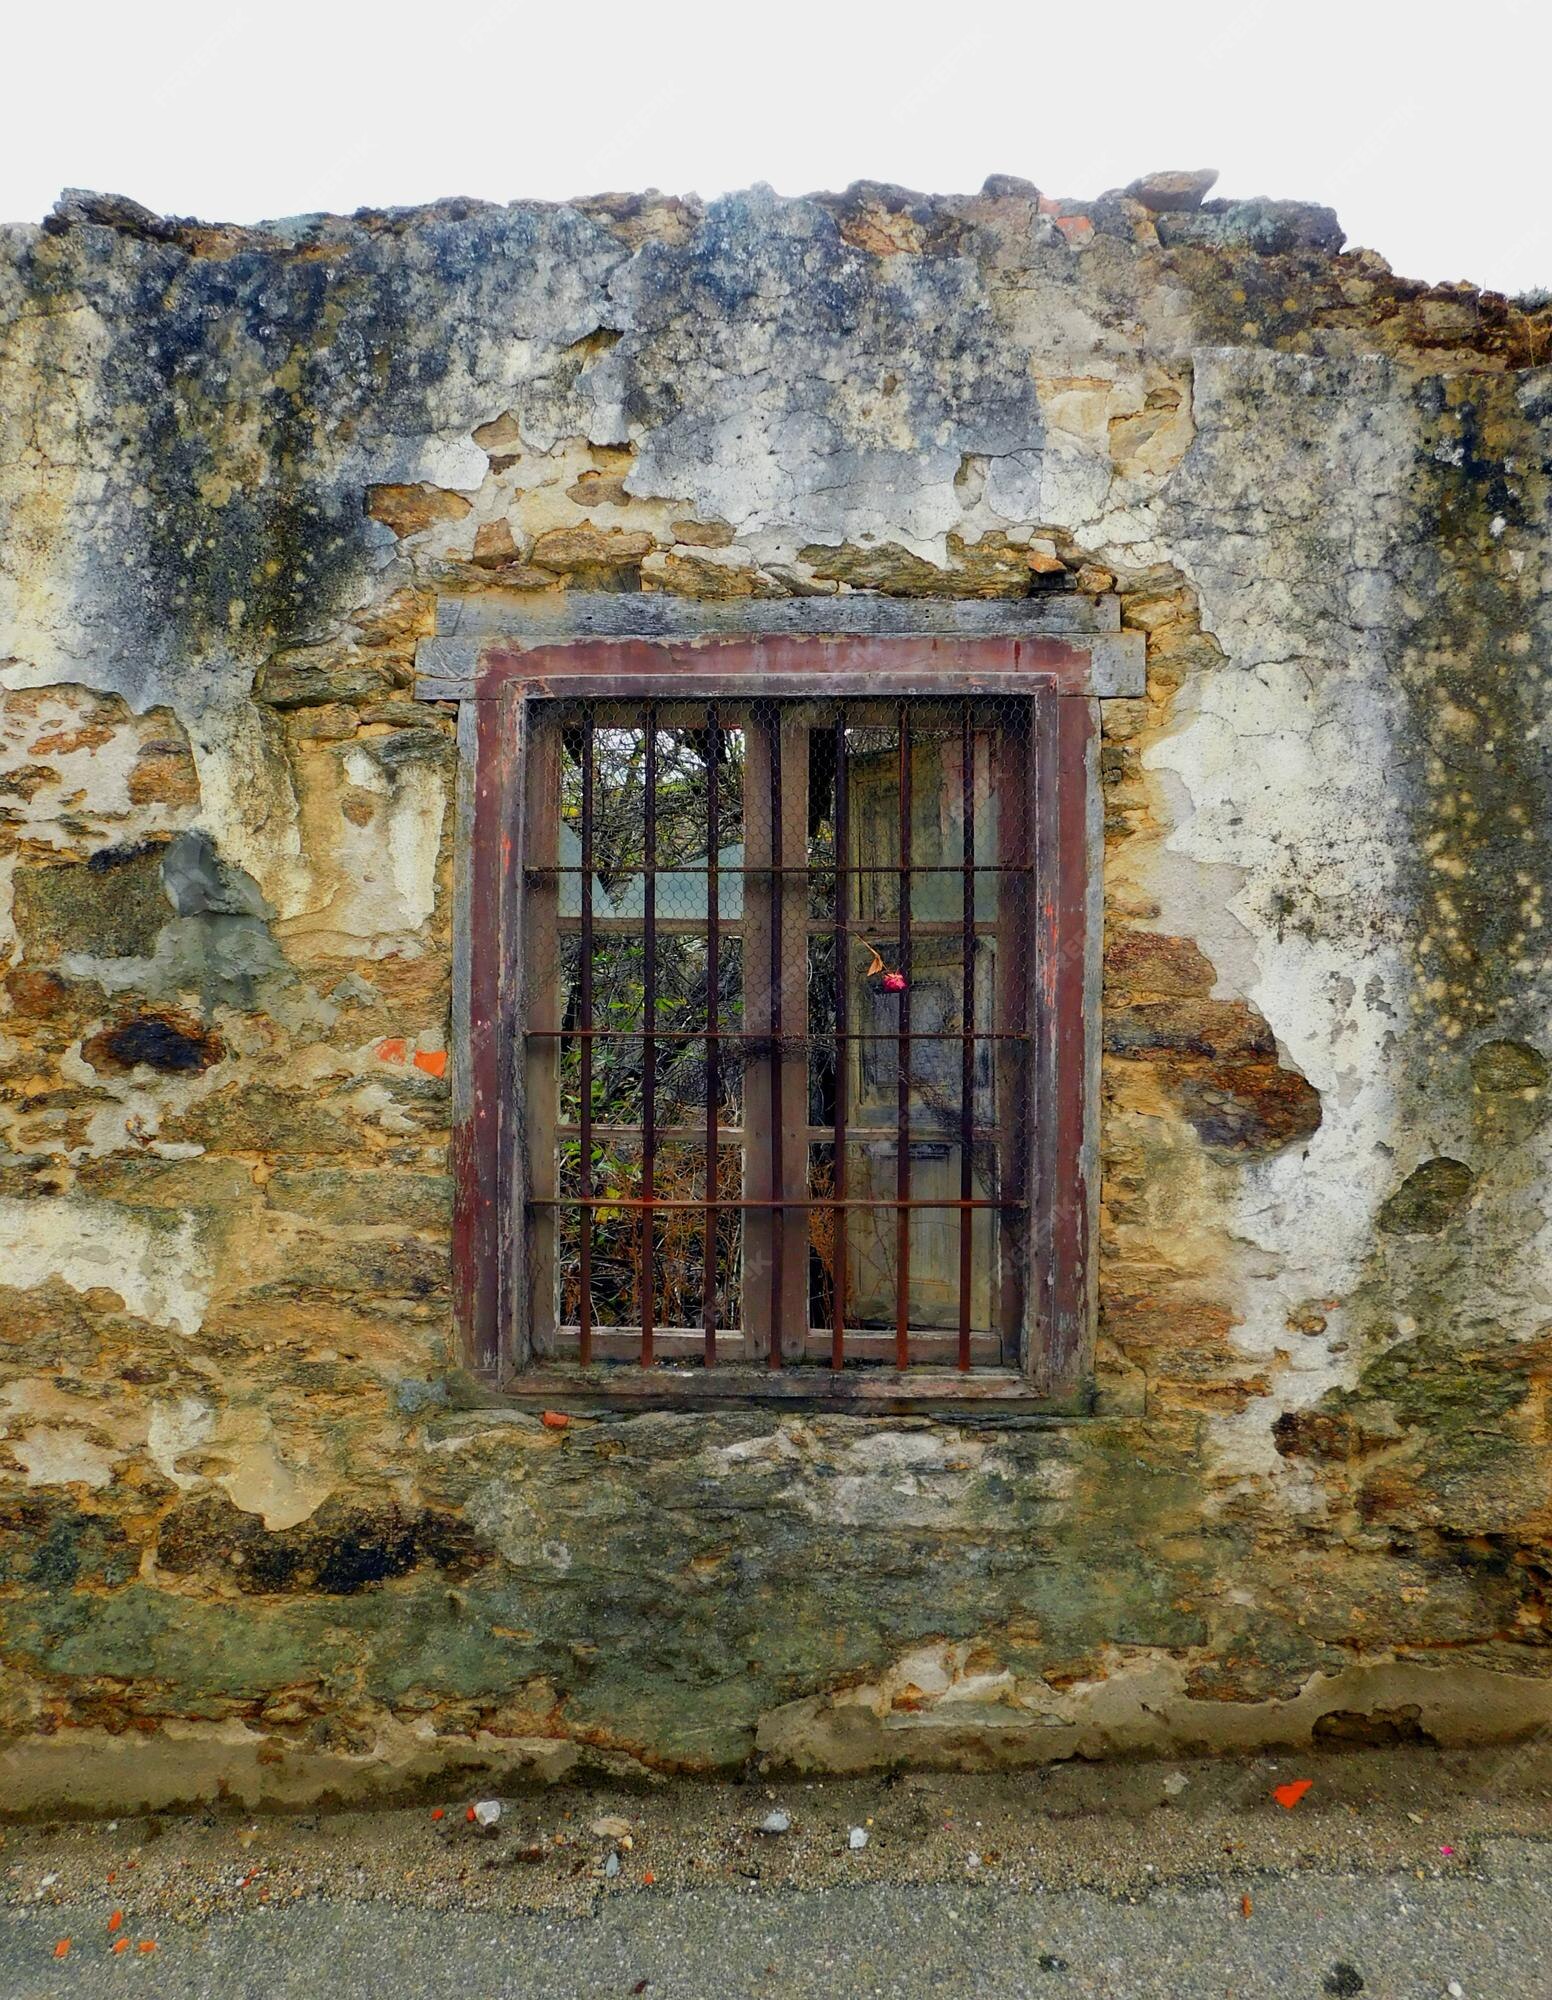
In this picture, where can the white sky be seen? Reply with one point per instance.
(1424, 125)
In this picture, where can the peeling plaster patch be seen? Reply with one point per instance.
(63, 1458)
(175, 1428)
(375, 1100)
(240, 1455)
(1288, 785)
(261, 1481)
(952, 1706)
(248, 800)
(1013, 486)
(162, 1273)
(1283, 769)
(862, 437)
(413, 837)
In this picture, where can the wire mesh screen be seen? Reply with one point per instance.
(776, 1013)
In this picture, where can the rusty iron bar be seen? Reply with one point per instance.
(648, 1042)
(840, 831)
(824, 1201)
(778, 1061)
(585, 1003)
(737, 1135)
(903, 1058)
(763, 1035)
(713, 982)
(540, 872)
(967, 1022)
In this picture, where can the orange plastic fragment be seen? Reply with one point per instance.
(394, 1049)
(121, 1944)
(146, 1944)
(554, 1420)
(648, 1878)
(438, 1812)
(469, 1815)
(1289, 1795)
(432, 1061)
(1245, 1906)
(115, 1920)
(62, 1949)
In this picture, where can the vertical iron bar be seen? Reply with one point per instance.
(713, 986)
(903, 1062)
(967, 1024)
(585, 1117)
(648, 1040)
(778, 1150)
(842, 1022)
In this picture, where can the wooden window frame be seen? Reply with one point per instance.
(496, 728)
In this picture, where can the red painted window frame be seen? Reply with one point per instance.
(1053, 674)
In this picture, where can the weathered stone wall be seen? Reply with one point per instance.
(257, 1533)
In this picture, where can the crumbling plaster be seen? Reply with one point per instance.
(241, 467)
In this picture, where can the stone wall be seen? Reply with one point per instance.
(259, 1533)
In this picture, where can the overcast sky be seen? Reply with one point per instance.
(1423, 125)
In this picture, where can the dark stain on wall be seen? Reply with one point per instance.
(343, 1549)
(172, 1043)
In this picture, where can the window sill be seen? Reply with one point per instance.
(867, 1389)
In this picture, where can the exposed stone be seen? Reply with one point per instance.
(587, 547)
(599, 489)
(704, 534)
(110, 906)
(699, 576)
(494, 545)
(1429, 1199)
(1508, 1066)
(309, 677)
(1174, 190)
(410, 510)
(988, 568)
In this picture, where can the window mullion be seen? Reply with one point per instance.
(713, 1042)
(541, 1054)
(775, 961)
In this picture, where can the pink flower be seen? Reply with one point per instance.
(894, 982)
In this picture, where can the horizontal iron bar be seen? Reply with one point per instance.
(536, 872)
(816, 1201)
(734, 926)
(866, 1346)
(734, 1135)
(826, 1039)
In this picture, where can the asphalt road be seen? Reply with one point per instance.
(1306, 1935)
(1393, 1874)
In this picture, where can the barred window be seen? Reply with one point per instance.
(791, 1060)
